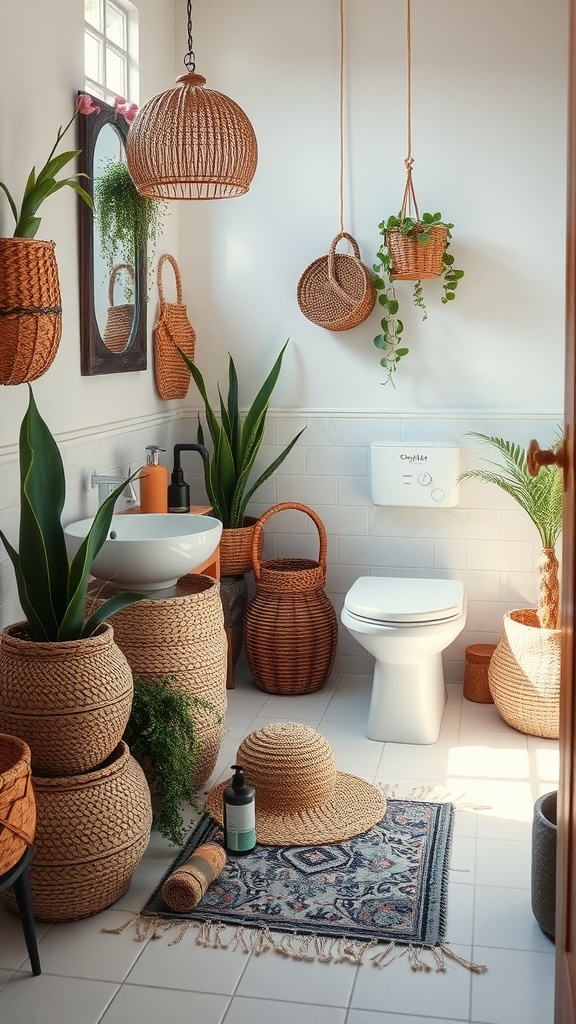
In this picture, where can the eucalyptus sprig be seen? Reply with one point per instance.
(390, 341)
(161, 734)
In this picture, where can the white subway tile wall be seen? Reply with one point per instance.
(487, 541)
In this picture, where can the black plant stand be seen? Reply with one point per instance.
(18, 878)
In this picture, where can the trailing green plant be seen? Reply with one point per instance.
(127, 222)
(391, 341)
(51, 589)
(541, 498)
(235, 444)
(161, 734)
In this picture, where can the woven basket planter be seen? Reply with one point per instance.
(91, 833)
(413, 260)
(30, 309)
(236, 548)
(337, 291)
(17, 803)
(69, 702)
(524, 675)
(185, 637)
(290, 629)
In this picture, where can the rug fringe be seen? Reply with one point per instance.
(296, 946)
(431, 794)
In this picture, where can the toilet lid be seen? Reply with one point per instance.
(395, 599)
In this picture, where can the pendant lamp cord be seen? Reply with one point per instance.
(409, 199)
(190, 58)
(341, 115)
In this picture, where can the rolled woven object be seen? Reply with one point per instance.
(187, 884)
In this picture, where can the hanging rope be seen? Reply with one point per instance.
(341, 115)
(409, 203)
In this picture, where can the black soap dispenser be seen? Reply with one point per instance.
(178, 489)
(239, 815)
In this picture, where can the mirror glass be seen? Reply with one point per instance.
(112, 276)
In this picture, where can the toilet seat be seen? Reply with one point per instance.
(398, 600)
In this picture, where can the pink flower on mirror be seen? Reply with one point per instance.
(86, 104)
(128, 110)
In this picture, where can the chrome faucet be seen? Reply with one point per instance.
(107, 482)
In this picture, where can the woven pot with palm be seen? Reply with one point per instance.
(524, 672)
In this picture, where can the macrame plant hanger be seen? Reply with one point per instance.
(336, 291)
(409, 204)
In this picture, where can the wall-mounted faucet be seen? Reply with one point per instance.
(107, 482)
(178, 489)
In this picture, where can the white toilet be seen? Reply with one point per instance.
(406, 623)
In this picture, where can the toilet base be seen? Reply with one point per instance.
(407, 702)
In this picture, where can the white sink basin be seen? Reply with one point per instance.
(149, 552)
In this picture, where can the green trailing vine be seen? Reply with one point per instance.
(162, 737)
(391, 341)
(126, 221)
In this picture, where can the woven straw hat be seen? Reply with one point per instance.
(300, 797)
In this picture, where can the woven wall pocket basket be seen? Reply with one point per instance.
(173, 330)
(17, 802)
(337, 291)
(119, 319)
(290, 629)
(30, 309)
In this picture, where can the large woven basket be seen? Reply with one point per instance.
(290, 628)
(120, 318)
(236, 548)
(337, 291)
(69, 702)
(172, 331)
(524, 674)
(91, 833)
(17, 803)
(182, 636)
(413, 260)
(30, 309)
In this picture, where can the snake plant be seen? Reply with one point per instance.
(235, 444)
(541, 498)
(51, 589)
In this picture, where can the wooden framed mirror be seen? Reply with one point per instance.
(112, 283)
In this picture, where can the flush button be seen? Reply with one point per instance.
(437, 494)
(424, 479)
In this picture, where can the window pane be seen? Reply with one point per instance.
(92, 57)
(115, 72)
(93, 13)
(116, 25)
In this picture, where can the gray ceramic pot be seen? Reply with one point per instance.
(543, 881)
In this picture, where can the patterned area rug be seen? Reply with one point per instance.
(381, 894)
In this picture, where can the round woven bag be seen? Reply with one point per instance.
(337, 291)
(68, 701)
(17, 803)
(524, 675)
(91, 833)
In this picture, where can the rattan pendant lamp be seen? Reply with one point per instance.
(191, 142)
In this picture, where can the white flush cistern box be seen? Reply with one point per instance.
(414, 475)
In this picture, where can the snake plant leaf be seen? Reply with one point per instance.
(265, 475)
(233, 414)
(36, 625)
(259, 408)
(109, 608)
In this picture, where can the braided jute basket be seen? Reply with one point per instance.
(92, 831)
(182, 636)
(413, 260)
(30, 309)
(68, 701)
(290, 628)
(172, 331)
(17, 803)
(337, 291)
(524, 674)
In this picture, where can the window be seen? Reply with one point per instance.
(110, 49)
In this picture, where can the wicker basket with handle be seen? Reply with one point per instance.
(290, 629)
(173, 330)
(337, 291)
(120, 319)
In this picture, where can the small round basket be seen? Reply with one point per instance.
(337, 291)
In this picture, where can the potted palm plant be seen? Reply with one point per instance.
(65, 686)
(227, 471)
(524, 671)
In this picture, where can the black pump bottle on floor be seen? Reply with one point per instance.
(239, 815)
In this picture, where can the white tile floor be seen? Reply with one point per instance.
(90, 977)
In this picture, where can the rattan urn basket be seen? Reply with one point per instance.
(30, 309)
(183, 636)
(69, 701)
(91, 833)
(476, 685)
(17, 801)
(524, 674)
(337, 291)
(290, 628)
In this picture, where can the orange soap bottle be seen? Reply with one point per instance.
(153, 480)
